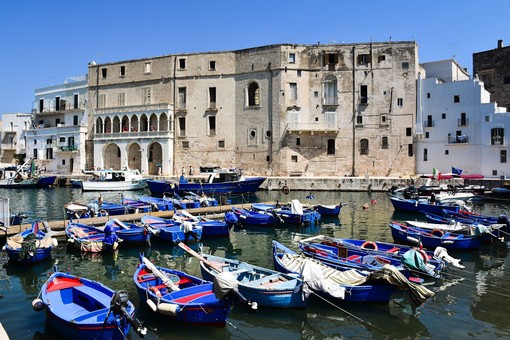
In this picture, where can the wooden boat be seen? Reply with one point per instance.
(114, 180)
(265, 218)
(293, 213)
(210, 228)
(129, 233)
(135, 206)
(343, 256)
(25, 176)
(31, 245)
(79, 308)
(184, 298)
(421, 205)
(411, 235)
(219, 181)
(89, 239)
(264, 286)
(349, 285)
(157, 203)
(172, 231)
(329, 210)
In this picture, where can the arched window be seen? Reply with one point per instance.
(363, 146)
(330, 90)
(253, 94)
(99, 125)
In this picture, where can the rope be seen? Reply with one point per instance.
(239, 330)
(350, 314)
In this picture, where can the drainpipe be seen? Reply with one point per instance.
(353, 170)
(174, 118)
(270, 113)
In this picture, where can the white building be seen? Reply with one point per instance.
(457, 125)
(13, 125)
(56, 138)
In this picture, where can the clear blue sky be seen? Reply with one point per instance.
(45, 42)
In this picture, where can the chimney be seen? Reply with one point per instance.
(500, 43)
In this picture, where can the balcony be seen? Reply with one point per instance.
(212, 106)
(8, 146)
(330, 101)
(130, 135)
(133, 108)
(462, 139)
(311, 128)
(363, 100)
(67, 148)
(463, 122)
(429, 123)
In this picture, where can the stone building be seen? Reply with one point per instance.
(322, 110)
(13, 142)
(493, 68)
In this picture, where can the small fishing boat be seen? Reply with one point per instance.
(169, 230)
(338, 256)
(114, 180)
(344, 285)
(329, 210)
(183, 297)
(79, 308)
(421, 205)
(293, 213)
(411, 235)
(25, 176)
(89, 239)
(210, 227)
(264, 286)
(157, 203)
(31, 245)
(264, 218)
(135, 206)
(129, 233)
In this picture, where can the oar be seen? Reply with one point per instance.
(200, 257)
(166, 280)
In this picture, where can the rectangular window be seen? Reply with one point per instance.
(363, 59)
(487, 80)
(182, 64)
(497, 136)
(456, 98)
(363, 146)
(298, 73)
(212, 97)
(429, 122)
(212, 65)
(121, 99)
(502, 156)
(146, 95)
(76, 101)
(49, 153)
(35, 153)
(293, 158)
(123, 71)
(405, 65)
(363, 93)
(75, 120)
(425, 155)
(147, 68)
(41, 105)
(298, 141)
(446, 152)
(293, 91)
(212, 125)
(292, 58)
(182, 98)
(428, 95)
(221, 144)
(359, 119)
(384, 142)
(57, 104)
(409, 132)
(182, 126)
(185, 144)
(443, 115)
(331, 146)
(506, 79)
(382, 57)
(410, 150)
(400, 102)
(102, 100)
(426, 134)
(104, 71)
(49, 141)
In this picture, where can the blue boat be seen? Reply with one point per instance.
(210, 227)
(172, 231)
(135, 206)
(129, 233)
(182, 297)
(420, 205)
(219, 181)
(264, 218)
(30, 246)
(294, 213)
(264, 286)
(337, 285)
(157, 203)
(329, 210)
(412, 235)
(79, 308)
(89, 239)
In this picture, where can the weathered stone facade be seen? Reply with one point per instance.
(317, 110)
(493, 68)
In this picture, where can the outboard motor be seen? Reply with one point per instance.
(118, 306)
(225, 287)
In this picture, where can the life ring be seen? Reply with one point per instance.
(285, 190)
(437, 232)
(423, 255)
(369, 245)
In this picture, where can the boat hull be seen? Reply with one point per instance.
(420, 206)
(112, 185)
(159, 187)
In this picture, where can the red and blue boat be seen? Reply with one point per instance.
(30, 246)
(172, 231)
(129, 233)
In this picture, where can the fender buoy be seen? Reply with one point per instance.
(437, 232)
(369, 245)
(285, 190)
(423, 255)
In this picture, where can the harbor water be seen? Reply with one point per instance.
(469, 303)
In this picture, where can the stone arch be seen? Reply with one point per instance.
(134, 123)
(155, 158)
(163, 122)
(99, 125)
(153, 122)
(125, 123)
(253, 94)
(144, 123)
(111, 156)
(107, 125)
(134, 156)
(116, 124)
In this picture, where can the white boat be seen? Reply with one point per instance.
(114, 180)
